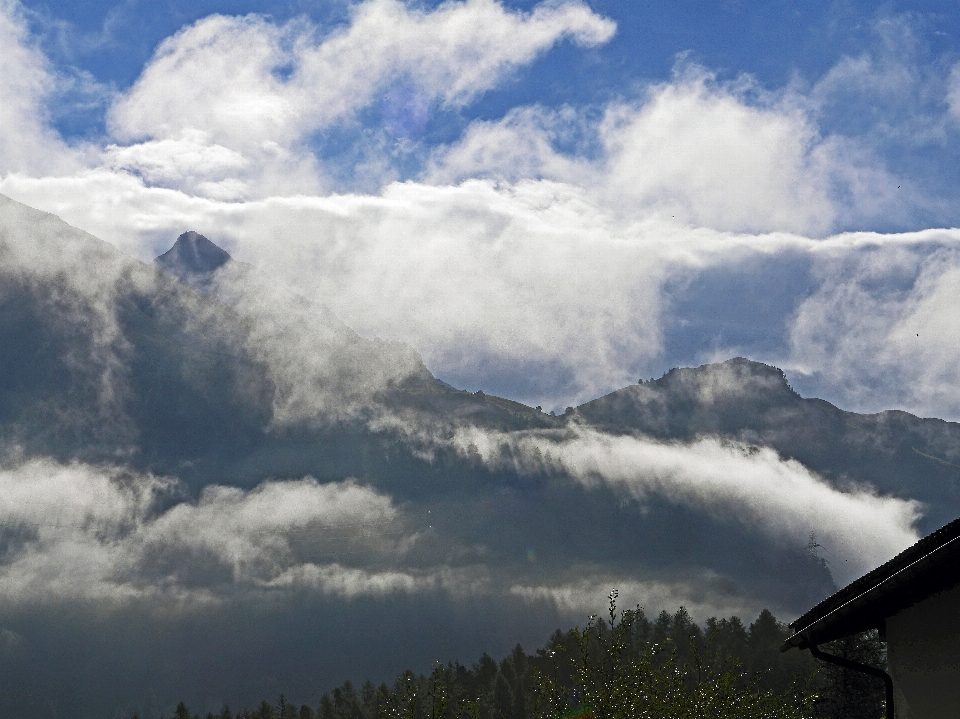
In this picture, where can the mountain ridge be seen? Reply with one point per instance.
(232, 387)
(746, 401)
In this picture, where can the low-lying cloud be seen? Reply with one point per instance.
(740, 484)
(879, 330)
(703, 594)
(272, 340)
(86, 533)
(541, 293)
(107, 537)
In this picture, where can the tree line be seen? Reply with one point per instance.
(624, 665)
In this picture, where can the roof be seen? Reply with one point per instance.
(930, 566)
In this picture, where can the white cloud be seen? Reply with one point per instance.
(348, 582)
(27, 142)
(181, 161)
(319, 368)
(454, 53)
(880, 330)
(78, 532)
(889, 91)
(753, 486)
(64, 523)
(703, 594)
(250, 85)
(215, 76)
(518, 147)
(699, 152)
(532, 273)
(702, 154)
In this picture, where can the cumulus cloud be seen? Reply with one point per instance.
(704, 155)
(190, 160)
(727, 156)
(79, 532)
(520, 146)
(250, 85)
(753, 486)
(452, 53)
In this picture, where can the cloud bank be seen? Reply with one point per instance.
(539, 255)
(81, 533)
(753, 486)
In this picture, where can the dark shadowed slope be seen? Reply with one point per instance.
(197, 261)
(103, 357)
(893, 451)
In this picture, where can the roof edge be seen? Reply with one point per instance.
(889, 595)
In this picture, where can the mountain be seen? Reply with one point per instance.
(101, 354)
(894, 452)
(89, 338)
(262, 300)
(209, 483)
(191, 255)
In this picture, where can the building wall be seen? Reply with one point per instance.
(923, 656)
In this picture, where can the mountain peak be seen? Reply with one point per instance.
(192, 254)
(735, 377)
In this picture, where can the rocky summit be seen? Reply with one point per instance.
(192, 254)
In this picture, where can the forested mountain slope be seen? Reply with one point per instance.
(101, 354)
(190, 447)
(893, 451)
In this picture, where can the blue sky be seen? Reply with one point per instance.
(546, 200)
(774, 41)
(771, 40)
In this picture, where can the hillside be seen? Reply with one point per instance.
(894, 452)
(191, 447)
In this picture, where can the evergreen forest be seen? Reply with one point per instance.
(619, 666)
